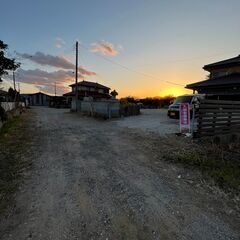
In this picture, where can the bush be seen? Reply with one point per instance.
(129, 109)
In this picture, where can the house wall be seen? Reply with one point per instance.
(39, 100)
(91, 89)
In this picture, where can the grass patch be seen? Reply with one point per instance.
(220, 162)
(14, 141)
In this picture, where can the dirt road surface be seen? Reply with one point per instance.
(151, 120)
(94, 179)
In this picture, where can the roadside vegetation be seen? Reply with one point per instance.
(150, 102)
(14, 142)
(220, 163)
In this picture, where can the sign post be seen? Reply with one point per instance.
(184, 112)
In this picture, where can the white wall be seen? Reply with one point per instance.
(8, 106)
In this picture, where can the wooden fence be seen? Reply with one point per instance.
(217, 117)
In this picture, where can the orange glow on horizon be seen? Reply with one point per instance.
(174, 91)
(169, 91)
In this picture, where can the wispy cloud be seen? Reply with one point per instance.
(48, 60)
(83, 71)
(55, 61)
(105, 48)
(59, 43)
(45, 80)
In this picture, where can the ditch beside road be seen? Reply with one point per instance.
(95, 179)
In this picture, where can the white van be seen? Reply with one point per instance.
(173, 110)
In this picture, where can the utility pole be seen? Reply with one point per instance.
(19, 88)
(55, 89)
(76, 75)
(14, 84)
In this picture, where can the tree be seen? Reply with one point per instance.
(6, 64)
(114, 93)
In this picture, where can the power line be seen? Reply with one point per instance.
(133, 70)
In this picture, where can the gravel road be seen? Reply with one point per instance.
(153, 121)
(94, 179)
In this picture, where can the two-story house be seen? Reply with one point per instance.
(223, 82)
(88, 89)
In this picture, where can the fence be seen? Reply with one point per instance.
(104, 108)
(217, 117)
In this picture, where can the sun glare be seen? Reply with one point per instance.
(174, 91)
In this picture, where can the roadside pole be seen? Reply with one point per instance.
(14, 86)
(55, 89)
(76, 76)
(14, 82)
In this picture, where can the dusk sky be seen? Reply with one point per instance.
(138, 47)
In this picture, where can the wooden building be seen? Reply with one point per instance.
(223, 82)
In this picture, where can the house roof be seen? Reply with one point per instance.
(25, 94)
(225, 63)
(230, 79)
(90, 84)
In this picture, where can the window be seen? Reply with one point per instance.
(183, 99)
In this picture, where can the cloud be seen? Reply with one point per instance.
(59, 43)
(45, 81)
(55, 61)
(105, 48)
(48, 60)
(83, 71)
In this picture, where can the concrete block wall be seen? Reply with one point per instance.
(105, 108)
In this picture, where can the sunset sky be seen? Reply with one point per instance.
(138, 47)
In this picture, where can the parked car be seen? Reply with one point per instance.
(173, 110)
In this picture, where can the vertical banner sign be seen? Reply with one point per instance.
(184, 113)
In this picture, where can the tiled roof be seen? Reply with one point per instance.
(228, 62)
(90, 84)
(231, 79)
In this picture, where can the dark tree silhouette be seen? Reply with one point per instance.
(6, 64)
(114, 93)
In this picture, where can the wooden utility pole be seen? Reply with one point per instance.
(76, 75)
(14, 83)
(55, 89)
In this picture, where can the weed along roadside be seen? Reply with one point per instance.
(14, 143)
(219, 163)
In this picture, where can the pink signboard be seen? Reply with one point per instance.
(184, 112)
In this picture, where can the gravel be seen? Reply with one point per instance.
(152, 121)
(94, 179)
